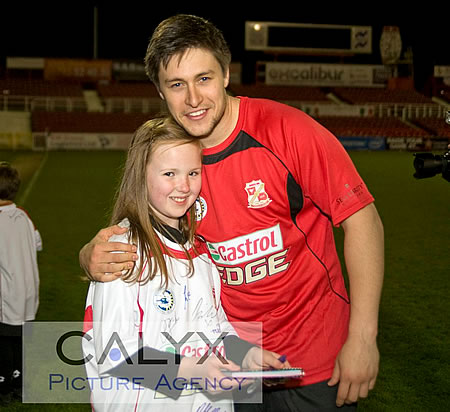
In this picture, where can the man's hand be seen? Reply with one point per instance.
(356, 370)
(98, 259)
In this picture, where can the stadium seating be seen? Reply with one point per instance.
(58, 106)
(84, 122)
(371, 126)
(38, 87)
(437, 126)
(280, 93)
(363, 95)
(143, 90)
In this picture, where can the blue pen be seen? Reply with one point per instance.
(282, 358)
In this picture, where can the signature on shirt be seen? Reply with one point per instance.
(187, 297)
(167, 325)
(207, 407)
(208, 315)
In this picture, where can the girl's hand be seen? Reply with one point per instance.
(209, 375)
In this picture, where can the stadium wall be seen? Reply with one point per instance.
(15, 130)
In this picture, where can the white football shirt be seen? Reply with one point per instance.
(19, 274)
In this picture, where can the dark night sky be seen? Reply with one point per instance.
(66, 29)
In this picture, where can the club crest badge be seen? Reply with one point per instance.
(200, 208)
(256, 193)
(164, 301)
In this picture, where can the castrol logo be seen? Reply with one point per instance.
(247, 248)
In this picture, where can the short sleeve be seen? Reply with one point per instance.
(325, 171)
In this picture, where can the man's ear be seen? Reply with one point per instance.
(226, 80)
(160, 93)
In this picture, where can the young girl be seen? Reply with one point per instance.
(170, 302)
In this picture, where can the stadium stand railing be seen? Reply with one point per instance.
(130, 97)
(406, 104)
(38, 94)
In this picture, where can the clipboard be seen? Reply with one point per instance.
(266, 373)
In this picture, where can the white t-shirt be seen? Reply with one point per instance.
(19, 274)
(188, 304)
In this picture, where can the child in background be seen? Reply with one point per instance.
(19, 278)
(172, 293)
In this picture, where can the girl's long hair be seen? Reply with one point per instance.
(131, 201)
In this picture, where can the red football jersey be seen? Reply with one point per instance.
(271, 193)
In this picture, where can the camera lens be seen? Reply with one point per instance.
(427, 165)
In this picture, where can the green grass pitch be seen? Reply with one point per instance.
(71, 197)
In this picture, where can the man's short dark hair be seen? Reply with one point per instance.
(9, 181)
(179, 33)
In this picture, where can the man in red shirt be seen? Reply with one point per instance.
(274, 184)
